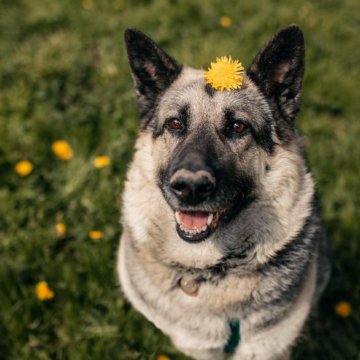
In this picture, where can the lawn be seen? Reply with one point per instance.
(64, 76)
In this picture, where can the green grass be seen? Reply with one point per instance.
(64, 75)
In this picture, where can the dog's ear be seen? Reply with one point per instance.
(152, 70)
(278, 70)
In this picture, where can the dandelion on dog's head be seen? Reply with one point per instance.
(43, 292)
(62, 149)
(225, 74)
(23, 168)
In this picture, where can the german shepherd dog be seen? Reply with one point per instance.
(221, 234)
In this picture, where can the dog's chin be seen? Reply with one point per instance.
(196, 226)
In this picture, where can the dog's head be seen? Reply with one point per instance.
(211, 148)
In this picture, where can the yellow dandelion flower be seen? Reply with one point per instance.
(101, 161)
(43, 292)
(60, 230)
(225, 74)
(87, 4)
(343, 309)
(225, 21)
(95, 234)
(62, 149)
(162, 357)
(23, 168)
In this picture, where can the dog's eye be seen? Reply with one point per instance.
(237, 128)
(174, 124)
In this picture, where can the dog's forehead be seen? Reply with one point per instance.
(190, 90)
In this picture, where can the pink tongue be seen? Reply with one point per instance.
(194, 220)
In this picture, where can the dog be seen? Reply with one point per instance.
(222, 245)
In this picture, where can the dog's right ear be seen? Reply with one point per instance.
(153, 71)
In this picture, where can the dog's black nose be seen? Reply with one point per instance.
(192, 187)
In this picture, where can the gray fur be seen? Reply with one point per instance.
(265, 264)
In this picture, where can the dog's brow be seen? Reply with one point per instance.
(184, 112)
(236, 114)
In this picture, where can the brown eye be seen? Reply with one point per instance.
(175, 124)
(237, 127)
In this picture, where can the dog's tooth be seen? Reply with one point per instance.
(177, 217)
(193, 231)
(187, 231)
(210, 218)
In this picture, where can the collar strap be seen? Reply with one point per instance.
(234, 338)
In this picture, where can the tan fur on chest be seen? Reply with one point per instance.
(218, 296)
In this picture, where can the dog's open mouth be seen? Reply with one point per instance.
(195, 226)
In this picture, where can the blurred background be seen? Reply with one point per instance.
(67, 126)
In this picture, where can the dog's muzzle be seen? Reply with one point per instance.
(192, 188)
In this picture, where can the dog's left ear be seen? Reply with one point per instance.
(153, 71)
(278, 70)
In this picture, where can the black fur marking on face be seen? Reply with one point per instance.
(183, 116)
(246, 187)
(209, 90)
(197, 152)
(234, 190)
(231, 118)
(153, 71)
(261, 135)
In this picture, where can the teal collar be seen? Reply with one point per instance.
(234, 338)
